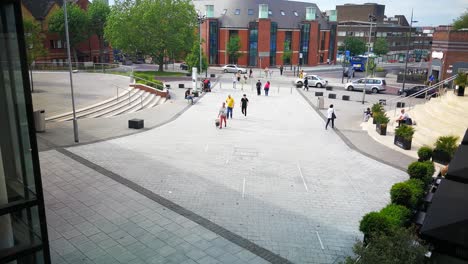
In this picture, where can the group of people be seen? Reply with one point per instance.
(225, 112)
(237, 78)
(266, 88)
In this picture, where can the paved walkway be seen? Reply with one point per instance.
(275, 183)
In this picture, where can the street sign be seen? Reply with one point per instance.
(300, 55)
(264, 54)
(347, 53)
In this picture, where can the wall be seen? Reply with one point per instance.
(454, 45)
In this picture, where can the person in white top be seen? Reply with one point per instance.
(403, 118)
(330, 116)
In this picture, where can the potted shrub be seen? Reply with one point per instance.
(380, 72)
(403, 136)
(421, 170)
(374, 223)
(424, 153)
(460, 82)
(381, 120)
(376, 109)
(444, 150)
(398, 215)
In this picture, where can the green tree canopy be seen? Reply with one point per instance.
(287, 53)
(34, 40)
(98, 11)
(193, 58)
(152, 27)
(77, 25)
(355, 46)
(461, 22)
(233, 48)
(381, 47)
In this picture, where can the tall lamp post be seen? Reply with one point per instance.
(200, 19)
(408, 48)
(372, 19)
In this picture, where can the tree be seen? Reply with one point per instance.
(401, 246)
(34, 43)
(461, 22)
(98, 11)
(381, 47)
(233, 48)
(355, 46)
(193, 58)
(77, 25)
(152, 27)
(287, 53)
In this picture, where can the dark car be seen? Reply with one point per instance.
(183, 66)
(417, 89)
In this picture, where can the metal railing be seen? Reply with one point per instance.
(129, 95)
(154, 85)
(82, 66)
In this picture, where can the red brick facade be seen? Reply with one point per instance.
(454, 46)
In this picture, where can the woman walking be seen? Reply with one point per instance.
(222, 115)
(267, 88)
(330, 116)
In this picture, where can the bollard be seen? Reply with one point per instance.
(220, 86)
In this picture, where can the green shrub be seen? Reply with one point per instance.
(424, 153)
(379, 69)
(374, 223)
(405, 132)
(381, 118)
(377, 108)
(401, 194)
(447, 144)
(421, 170)
(398, 215)
(417, 191)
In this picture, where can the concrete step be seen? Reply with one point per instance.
(155, 102)
(135, 105)
(148, 100)
(123, 103)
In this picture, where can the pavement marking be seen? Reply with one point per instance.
(320, 240)
(243, 189)
(227, 161)
(206, 148)
(302, 176)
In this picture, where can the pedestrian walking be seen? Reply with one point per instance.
(238, 76)
(234, 81)
(306, 84)
(222, 115)
(259, 87)
(244, 104)
(250, 73)
(281, 70)
(331, 116)
(230, 105)
(267, 88)
(266, 72)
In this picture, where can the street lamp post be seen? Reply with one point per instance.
(200, 19)
(372, 19)
(408, 48)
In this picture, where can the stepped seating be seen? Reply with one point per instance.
(130, 101)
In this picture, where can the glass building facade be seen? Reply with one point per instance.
(23, 229)
(304, 45)
(213, 40)
(253, 43)
(273, 37)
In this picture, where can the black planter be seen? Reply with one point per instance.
(345, 97)
(373, 121)
(400, 105)
(382, 129)
(461, 91)
(318, 93)
(402, 143)
(441, 157)
(332, 96)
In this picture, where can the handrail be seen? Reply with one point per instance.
(129, 95)
(156, 84)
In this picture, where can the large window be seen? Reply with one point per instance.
(253, 43)
(23, 231)
(331, 47)
(273, 34)
(304, 47)
(287, 45)
(213, 42)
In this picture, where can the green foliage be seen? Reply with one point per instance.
(233, 48)
(355, 46)
(417, 191)
(379, 69)
(193, 58)
(34, 40)
(381, 47)
(424, 153)
(447, 144)
(461, 79)
(374, 223)
(287, 54)
(461, 22)
(381, 118)
(421, 170)
(377, 108)
(371, 65)
(398, 215)
(405, 132)
(154, 28)
(77, 25)
(401, 246)
(98, 11)
(407, 193)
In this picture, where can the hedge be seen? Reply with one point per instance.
(425, 153)
(407, 193)
(421, 170)
(374, 223)
(397, 214)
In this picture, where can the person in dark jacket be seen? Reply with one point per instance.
(259, 87)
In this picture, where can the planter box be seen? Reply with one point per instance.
(441, 157)
(402, 143)
(136, 123)
(332, 96)
(318, 93)
(382, 129)
(329, 88)
(181, 85)
(212, 75)
(345, 97)
(380, 74)
(461, 91)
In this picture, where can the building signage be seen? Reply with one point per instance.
(437, 54)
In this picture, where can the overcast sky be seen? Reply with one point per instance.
(426, 12)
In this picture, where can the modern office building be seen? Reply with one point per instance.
(267, 30)
(23, 229)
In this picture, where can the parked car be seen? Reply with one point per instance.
(233, 68)
(183, 66)
(313, 80)
(416, 89)
(373, 85)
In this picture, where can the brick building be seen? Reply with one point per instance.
(41, 11)
(264, 29)
(449, 52)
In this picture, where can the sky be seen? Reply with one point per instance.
(426, 12)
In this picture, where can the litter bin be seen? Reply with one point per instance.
(321, 102)
(39, 120)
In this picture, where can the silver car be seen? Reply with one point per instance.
(374, 85)
(312, 80)
(233, 68)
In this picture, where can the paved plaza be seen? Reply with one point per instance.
(274, 186)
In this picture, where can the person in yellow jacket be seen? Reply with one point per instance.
(230, 106)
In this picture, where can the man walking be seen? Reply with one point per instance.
(230, 106)
(281, 70)
(244, 103)
(306, 84)
(259, 87)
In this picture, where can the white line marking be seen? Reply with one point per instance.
(227, 161)
(206, 148)
(320, 240)
(243, 189)
(303, 180)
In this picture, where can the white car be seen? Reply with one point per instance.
(312, 80)
(233, 68)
